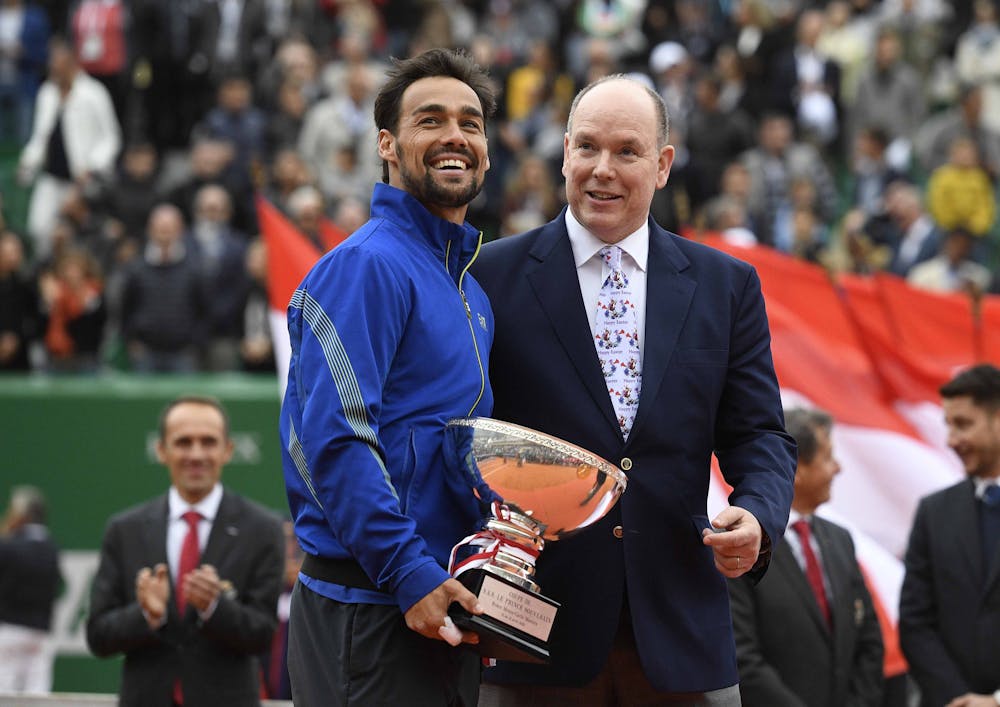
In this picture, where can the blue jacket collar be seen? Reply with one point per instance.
(458, 242)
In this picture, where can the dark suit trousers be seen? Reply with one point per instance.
(364, 655)
(621, 683)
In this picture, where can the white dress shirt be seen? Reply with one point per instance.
(592, 272)
(177, 527)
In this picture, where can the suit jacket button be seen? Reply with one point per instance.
(617, 531)
(626, 464)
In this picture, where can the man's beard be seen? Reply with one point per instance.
(428, 191)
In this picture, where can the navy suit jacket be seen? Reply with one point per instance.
(708, 384)
(216, 660)
(949, 606)
(787, 655)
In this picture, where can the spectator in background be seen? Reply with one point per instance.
(221, 254)
(236, 121)
(960, 193)
(852, 250)
(307, 209)
(188, 582)
(76, 139)
(30, 581)
(136, 188)
(870, 171)
(164, 308)
(18, 305)
(170, 70)
(935, 135)
(233, 37)
(806, 85)
(211, 162)
(288, 172)
(714, 136)
(285, 120)
(949, 606)
(906, 228)
(890, 96)
(807, 633)
(24, 36)
(257, 346)
(530, 196)
(977, 59)
(100, 38)
(954, 269)
(72, 299)
(336, 139)
(773, 164)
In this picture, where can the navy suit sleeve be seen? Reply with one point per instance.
(755, 454)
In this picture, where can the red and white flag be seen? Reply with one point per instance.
(872, 351)
(290, 256)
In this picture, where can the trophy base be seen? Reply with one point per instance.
(515, 623)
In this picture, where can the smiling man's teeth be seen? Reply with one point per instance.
(448, 164)
(602, 197)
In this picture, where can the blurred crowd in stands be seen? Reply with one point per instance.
(863, 135)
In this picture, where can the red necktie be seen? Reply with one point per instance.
(190, 556)
(813, 571)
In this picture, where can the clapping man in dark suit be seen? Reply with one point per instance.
(807, 634)
(188, 583)
(663, 364)
(949, 607)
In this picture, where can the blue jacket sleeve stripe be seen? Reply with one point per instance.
(344, 378)
(295, 452)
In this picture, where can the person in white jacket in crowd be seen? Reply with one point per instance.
(75, 139)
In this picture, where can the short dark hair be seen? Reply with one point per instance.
(196, 400)
(662, 118)
(452, 63)
(803, 425)
(981, 383)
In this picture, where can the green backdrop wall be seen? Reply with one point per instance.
(88, 444)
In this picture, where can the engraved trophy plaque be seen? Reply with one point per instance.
(532, 488)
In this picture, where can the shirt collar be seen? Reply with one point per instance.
(794, 516)
(981, 484)
(208, 507)
(586, 245)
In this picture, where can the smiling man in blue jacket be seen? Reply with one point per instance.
(389, 341)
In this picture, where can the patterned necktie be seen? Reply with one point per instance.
(190, 556)
(617, 340)
(813, 571)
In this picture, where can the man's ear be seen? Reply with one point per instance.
(160, 452)
(387, 146)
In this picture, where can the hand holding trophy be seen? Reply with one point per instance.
(534, 488)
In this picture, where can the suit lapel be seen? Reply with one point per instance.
(835, 571)
(225, 533)
(154, 533)
(789, 567)
(555, 282)
(668, 299)
(965, 521)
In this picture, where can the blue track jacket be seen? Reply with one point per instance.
(390, 338)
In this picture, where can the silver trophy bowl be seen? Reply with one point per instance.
(532, 488)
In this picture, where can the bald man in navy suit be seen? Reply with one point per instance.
(645, 612)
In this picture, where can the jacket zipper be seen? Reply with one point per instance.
(468, 315)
